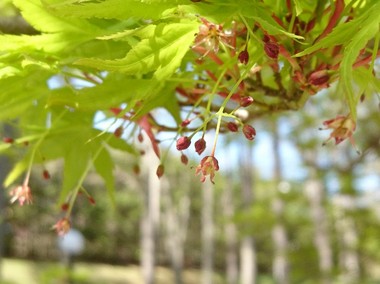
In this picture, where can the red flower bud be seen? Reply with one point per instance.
(65, 206)
(243, 57)
(8, 140)
(185, 123)
(266, 38)
(233, 127)
(45, 174)
(183, 143)
(319, 77)
(200, 146)
(91, 200)
(184, 159)
(249, 132)
(140, 137)
(271, 49)
(246, 101)
(160, 171)
(362, 98)
(118, 131)
(136, 169)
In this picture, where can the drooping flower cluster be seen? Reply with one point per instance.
(208, 166)
(211, 36)
(63, 226)
(343, 127)
(22, 194)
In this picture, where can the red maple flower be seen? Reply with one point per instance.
(22, 193)
(208, 166)
(62, 226)
(211, 35)
(343, 128)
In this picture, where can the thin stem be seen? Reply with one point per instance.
(36, 146)
(374, 52)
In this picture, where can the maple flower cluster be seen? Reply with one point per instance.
(343, 127)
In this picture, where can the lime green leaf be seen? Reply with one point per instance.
(50, 43)
(162, 53)
(45, 21)
(143, 32)
(298, 7)
(344, 33)
(114, 9)
(259, 13)
(104, 166)
(77, 161)
(16, 96)
(119, 144)
(351, 52)
(17, 171)
(9, 71)
(111, 93)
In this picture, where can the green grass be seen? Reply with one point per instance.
(16, 271)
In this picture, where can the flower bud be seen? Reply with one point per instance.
(362, 98)
(319, 77)
(185, 123)
(271, 49)
(246, 101)
(249, 132)
(184, 159)
(183, 143)
(91, 200)
(266, 38)
(136, 169)
(118, 132)
(243, 57)
(200, 146)
(65, 206)
(233, 127)
(140, 137)
(46, 174)
(160, 171)
(8, 140)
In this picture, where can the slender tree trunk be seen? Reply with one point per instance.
(248, 270)
(176, 221)
(280, 240)
(315, 195)
(5, 165)
(207, 233)
(151, 216)
(348, 239)
(230, 231)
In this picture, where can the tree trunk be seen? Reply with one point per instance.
(230, 231)
(207, 233)
(176, 223)
(348, 239)
(315, 195)
(151, 216)
(279, 236)
(5, 166)
(248, 270)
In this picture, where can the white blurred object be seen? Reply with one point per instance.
(72, 243)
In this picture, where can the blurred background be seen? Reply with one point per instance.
(283, 210)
